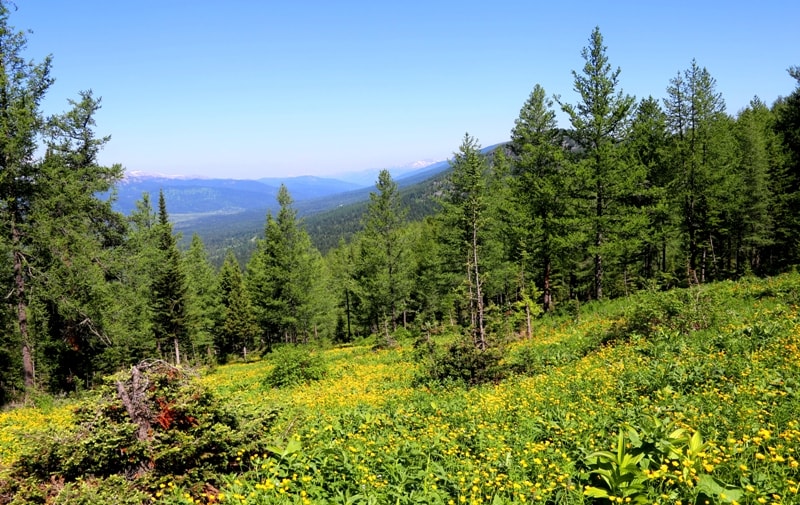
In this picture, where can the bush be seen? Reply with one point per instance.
(295, 365)
(462, 362)
(143, 425)
(682, 310)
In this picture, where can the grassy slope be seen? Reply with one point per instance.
(720, 363)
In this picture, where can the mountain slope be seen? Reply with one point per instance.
(327, 219)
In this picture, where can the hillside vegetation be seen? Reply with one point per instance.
(684, 396)
(585, 315)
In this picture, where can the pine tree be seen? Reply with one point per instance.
(168, 298)
(543, 186)
(467, 204)
(237, 330)
(203, 310)
(600, 123)
(384, 262)
(282, 275)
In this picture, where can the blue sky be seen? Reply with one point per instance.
(250, 89)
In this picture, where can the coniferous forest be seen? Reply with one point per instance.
(646, 208)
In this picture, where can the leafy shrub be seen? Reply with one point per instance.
(295, 365)
(531, 359)
(682, 310)
(462, 362)
(141, 426)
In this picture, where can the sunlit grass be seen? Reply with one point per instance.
(19, 424)
(365, 432)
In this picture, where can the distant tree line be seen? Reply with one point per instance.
(633, 195)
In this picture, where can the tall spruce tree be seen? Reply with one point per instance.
(384, 262)
(701, 156)
(599, 121)
(237, 330)
(467, 204)
(543, 187)
(170, 322)
(282, 275)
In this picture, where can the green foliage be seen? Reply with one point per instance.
(382, 261)
(620, 474)
(295, 365)
(284, 278)
(165, 424)
(237, 330)
(113, 489)
(462, 362)
(168, 296)
(680, 310)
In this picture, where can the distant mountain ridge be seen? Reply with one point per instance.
(229, 214)
(193, 197)
(368, 178)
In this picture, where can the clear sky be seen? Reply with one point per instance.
(248, 88)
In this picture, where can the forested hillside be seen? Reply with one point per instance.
(488, 272)
(327, 219)
(653, 192)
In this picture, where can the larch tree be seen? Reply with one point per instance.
(341, 265)
(599, 121)
(202, 307)
(786, 178)
(75, 237)
(647, 147)
(54, 229)
(753, 228)
(23, 86)
(697, 121)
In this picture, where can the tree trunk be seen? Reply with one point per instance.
(528, 320)
(347, 305)
(177, 351)
(478, 292)
(547, 299)
(472, 319)
(22, 310)
(598, 258)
